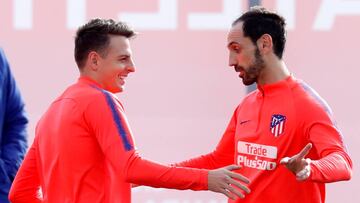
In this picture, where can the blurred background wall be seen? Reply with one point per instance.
(183, 93)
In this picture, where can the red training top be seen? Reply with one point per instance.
(84, 152)
(277, 121)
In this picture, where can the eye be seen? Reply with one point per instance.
(235, 48)
(123, 59)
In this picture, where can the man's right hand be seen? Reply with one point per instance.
(224, 180)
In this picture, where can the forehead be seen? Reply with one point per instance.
(236, 34)
(119, 45)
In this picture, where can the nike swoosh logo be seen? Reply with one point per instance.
(245, 121)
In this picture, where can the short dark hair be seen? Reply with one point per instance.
(95, 36)
(258, 21)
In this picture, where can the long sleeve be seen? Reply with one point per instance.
(25, 188)
(144, 172)
(115, 139)
(223, 154)
(335, 163)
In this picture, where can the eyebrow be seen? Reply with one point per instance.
(232, 43)
(123, 55)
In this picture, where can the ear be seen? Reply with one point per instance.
(93, 60)
(265, 44)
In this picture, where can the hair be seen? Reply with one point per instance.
(95, 36)
(258, 21)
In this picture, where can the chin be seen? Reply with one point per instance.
(120, 89)
(247, 82)
(116, 90)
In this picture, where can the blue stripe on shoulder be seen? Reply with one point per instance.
(319, 99)
(117, 119)
(325, 106)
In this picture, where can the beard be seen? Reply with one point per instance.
(251, 74)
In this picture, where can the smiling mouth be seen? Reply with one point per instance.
(122, 79)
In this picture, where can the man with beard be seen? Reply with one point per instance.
(287, 153)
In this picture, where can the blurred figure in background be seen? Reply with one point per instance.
(283, 122)
(84, 150)
(13, 123)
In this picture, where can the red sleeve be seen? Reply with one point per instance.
(26, 185)
(223, 154)
(334, 163)
(143, 172)
(115, 139)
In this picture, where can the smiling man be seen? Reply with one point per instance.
(84, 150)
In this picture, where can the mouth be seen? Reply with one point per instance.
(242, 73)
(122, 78)
(240, 70)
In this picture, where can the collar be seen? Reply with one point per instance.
(273, 88)
(88, 81)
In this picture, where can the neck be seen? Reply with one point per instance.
(273, 72)
(89, 74)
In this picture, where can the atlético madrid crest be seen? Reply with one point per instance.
(277, 124)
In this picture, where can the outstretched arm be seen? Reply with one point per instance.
(223, 180)
(333, 162)
(115, 140)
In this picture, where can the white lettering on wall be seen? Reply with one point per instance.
(287, 9)
(329, 9)
(165, 19)
(23, 14)
(216, 21)
(76, 13)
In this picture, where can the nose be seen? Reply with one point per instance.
(232, 60)
(131, 67)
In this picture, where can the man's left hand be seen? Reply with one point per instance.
(298, 164)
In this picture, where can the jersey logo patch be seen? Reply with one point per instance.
(277, 124)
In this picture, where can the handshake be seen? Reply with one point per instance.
(227, 182)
